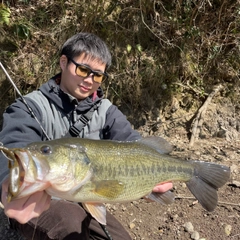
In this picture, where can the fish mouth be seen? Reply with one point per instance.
(21, 169)
(16, 177)
(16, 174)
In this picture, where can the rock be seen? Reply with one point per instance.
(236, 183)
(131, 225)
(228, 229)
(184, 185)
(188, 227)
(195, 235)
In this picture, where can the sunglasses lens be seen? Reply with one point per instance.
(83, 71)
(98, 77)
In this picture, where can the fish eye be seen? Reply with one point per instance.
(45, 149)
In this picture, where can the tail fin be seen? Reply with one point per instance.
(208, 177)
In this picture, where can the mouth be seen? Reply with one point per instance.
(85, 89)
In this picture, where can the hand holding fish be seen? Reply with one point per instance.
(26, 208)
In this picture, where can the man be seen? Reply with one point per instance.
(69, 104)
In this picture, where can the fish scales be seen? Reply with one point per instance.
(137, 161)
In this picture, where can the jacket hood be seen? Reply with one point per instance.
(65, 101)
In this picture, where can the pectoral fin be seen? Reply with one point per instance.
(97, 210)
(109, 189)
(163, 198)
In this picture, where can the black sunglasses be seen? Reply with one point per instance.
(84, 71)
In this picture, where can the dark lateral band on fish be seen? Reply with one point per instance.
(95, 172)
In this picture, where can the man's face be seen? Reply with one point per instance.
(79, 87)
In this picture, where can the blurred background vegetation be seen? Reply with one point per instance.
(166, 54)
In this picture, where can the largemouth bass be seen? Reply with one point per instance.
(95, 172)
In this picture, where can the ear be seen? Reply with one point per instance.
(63, 62)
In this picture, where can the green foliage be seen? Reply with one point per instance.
(5, 14)
(160, 48)
(21, 30)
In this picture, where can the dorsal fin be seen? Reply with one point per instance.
(158, 143)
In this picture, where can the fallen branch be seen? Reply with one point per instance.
(198, 121)
(229, 203)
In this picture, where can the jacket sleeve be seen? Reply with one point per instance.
(19, 129)
(117, 127)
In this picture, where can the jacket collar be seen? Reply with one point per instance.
(65, 101)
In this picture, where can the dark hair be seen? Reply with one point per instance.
(87, 43)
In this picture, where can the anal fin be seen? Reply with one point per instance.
(163, 198)
(97, 210)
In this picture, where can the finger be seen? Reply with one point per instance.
(25, 209)
(164, 187)
(19, 210)
(44, 204)
(37, 203)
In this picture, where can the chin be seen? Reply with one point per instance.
(81, 96)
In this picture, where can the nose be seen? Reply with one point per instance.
(89, 78)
